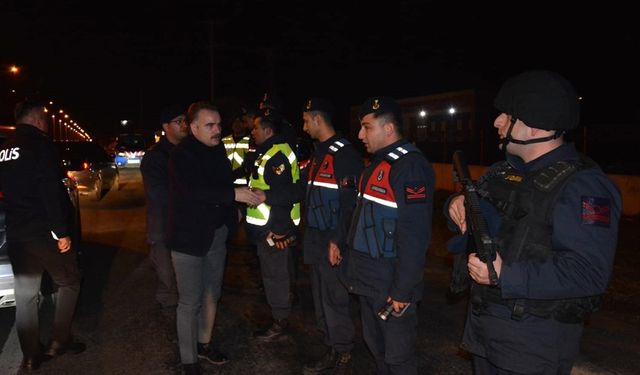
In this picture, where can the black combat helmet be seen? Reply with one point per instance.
(541, 99)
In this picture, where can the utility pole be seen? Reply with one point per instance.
(211, 75)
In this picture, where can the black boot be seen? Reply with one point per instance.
(277, 331)
(211, 354)
(343, 364)
(327, 362)
(191, 369)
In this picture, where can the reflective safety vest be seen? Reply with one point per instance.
(323, 198)
(236, 153)
(377, 210)
(260, 215)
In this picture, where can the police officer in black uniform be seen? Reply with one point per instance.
(556, 217)
(389, 236)
(38, 220)
(329, 203)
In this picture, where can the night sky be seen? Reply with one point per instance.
(125, 60)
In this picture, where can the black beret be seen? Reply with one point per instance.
(380, 105)
(318, 104)
(170, 112)
(541, 99)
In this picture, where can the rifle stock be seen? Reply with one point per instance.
(476, 223)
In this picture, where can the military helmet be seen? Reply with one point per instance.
(541, 99)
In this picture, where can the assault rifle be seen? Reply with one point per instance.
(477, 227)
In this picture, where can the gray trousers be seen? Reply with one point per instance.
(199, 281)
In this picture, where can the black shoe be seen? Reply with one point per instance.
(211, 355)
(56, 349)
(277, 331)
(343, 364)
(191, 369)
(327, 362)
(30, 363)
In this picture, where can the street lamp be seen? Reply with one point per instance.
(14, 70)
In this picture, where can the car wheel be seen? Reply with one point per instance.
(98, 188)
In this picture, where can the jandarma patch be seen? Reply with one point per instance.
(415, 192)
(596, 211)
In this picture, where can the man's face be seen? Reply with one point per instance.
(373, 133)
(258, 133)
(206, 127)
(310, 124)
(519, 132)
(176, 129)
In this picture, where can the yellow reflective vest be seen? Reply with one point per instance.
(260, 215)
(236, 152)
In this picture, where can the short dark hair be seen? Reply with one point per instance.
(26, 108)
(196, 107)
(270, 119)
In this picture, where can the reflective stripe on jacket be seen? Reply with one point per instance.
(260, 215)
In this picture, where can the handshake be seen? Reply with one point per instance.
(252, 197)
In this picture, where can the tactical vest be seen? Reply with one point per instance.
(526, 204)
(236, 153)
(260, 215)
(323, 197)
(377, 209)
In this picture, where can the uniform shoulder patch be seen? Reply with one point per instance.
(415, 192)
(279, 169)
(596, 211)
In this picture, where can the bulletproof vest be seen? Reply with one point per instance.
(526, 203)
(377, 209)
(323, 194)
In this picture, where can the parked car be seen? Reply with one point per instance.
(95, 172)
(7, 298)
(130, 149)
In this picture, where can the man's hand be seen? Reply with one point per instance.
(64, 244)
(281, 245)
(262, 196)
(334, 254)
(478, 269)
(245, 195)
(457, 212)
(397, 305)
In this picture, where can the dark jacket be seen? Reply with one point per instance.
(400, 277)
(201, 196)
(31, 180)
(584, 230)
(347, 166)
(155, 177)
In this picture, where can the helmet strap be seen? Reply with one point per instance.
(508, 139)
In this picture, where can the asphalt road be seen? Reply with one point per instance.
(126, 333)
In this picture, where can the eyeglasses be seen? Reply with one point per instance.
(178, 121)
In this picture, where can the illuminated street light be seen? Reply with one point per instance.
(423, 113)
(452, 111)
(124, 122)
(14, 69)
